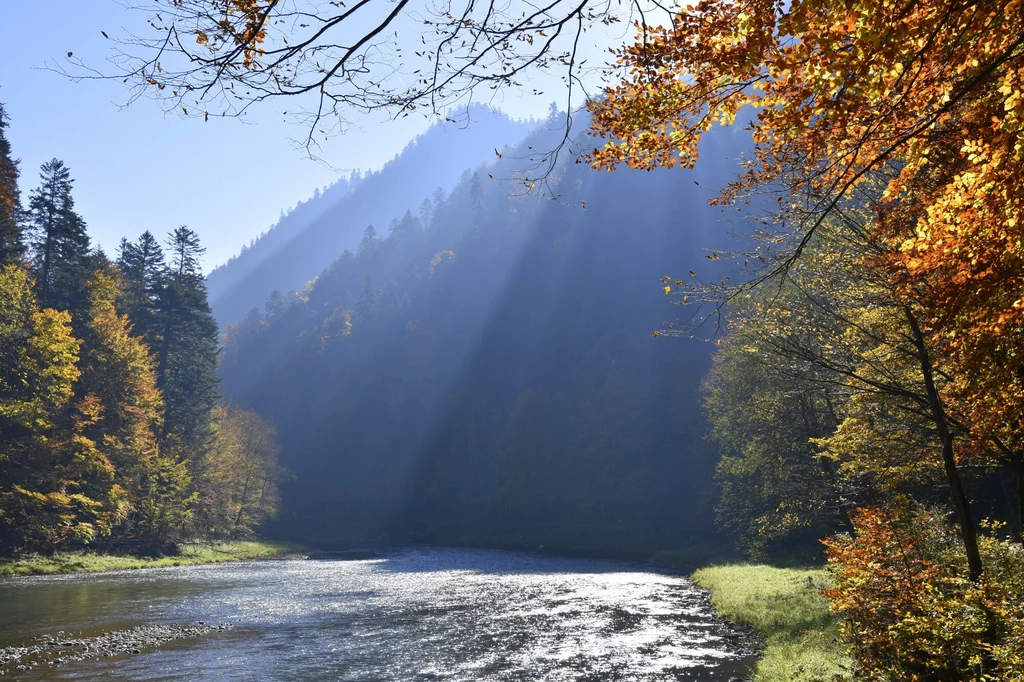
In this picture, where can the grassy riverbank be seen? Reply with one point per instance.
(784, 606)
(91, 562)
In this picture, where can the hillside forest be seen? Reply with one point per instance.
(480, 369)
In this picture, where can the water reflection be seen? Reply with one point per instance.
(422, 614)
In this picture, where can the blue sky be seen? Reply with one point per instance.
(136, 168)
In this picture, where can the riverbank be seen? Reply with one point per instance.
(93, 562)
(785, 608)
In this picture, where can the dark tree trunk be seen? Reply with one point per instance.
(1019, 475)
(968, 533)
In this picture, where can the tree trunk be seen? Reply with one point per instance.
(968, 533)
(47, 258)
(1019, 475)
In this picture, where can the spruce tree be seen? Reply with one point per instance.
(188, 347)
(275, 306)
(369, 241)
(142, 265)
(59, 243)
(12, 249)
(369, 303)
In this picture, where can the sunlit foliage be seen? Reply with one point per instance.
(107, 387)
(911, 611)
(38, 509)
(240, 476)
(930, 90)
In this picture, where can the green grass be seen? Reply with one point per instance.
(91, 562)
(786, 609)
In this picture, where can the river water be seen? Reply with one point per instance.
(406, 614)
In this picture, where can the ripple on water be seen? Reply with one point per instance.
(415, 614)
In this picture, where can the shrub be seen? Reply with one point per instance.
(909, 609)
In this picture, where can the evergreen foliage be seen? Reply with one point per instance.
(142, 266)
(188, 347)
(58, 241)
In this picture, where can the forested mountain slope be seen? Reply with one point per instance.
(312, 235)
(485, 373)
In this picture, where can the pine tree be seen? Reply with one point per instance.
(12, 249)
(184, 251)
(369, 241)
(275, 306)
(409, 224)
(189, 345)
(369, 302)
(60, 245)
(142, 265)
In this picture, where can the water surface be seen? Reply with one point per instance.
(412, 614)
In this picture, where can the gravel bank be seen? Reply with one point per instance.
(62, 648)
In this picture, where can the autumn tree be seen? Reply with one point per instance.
(12, 248)
(930, 88)
(763, 408)
(119, 379)
(909, 608)
(267, 51)
(41, 504)
(241, 475)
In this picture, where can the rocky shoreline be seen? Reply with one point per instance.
(61, 648)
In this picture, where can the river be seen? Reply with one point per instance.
(402, 614)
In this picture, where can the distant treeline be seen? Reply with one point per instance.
(111, 429)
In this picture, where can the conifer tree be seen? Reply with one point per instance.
(369, 303)
(369, 241)
(275, 306)
(59, 243)
(189, 344)
(12, 249)
(142, 265)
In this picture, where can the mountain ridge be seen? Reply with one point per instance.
(307, 240)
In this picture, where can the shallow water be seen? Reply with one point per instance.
(411, 614)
